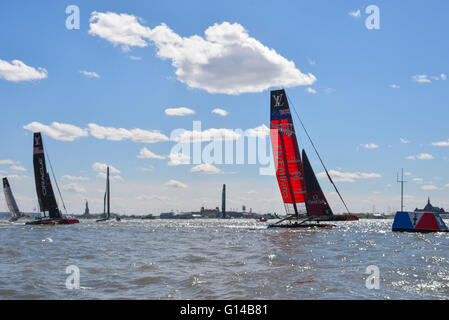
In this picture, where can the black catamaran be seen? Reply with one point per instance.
(297, 181)
(11, 202)
(44, 189)
(107, 201)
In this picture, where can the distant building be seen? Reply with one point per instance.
(167, 215)
(210, 213)
(430, 208)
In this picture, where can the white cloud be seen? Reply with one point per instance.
(355, 14)
(103, 175)
(311, 90)
(74, 187)
(260, 131)
(443, 76)
(147, 154)
(404, 141)
(89, 74)
(226, 60)
(7, 161)
(102, 168)
(179, 111)
(394, 86)
(370, 145)
(421, 78)
(135, 58)
(58, 131)
(339, 176)
(149, 168)
(446, 185)
(220, 112)
(441, 143)
(418, 180)
(136, 135)
(176, 184)
(206, 135)
(17, 71)
(69, 177)
(421, 156)
(206, 168)
(17, 176)
(311, 62)
(17, 168)
(177, 159)
(119, 29)
(145, 197)
(214, 134)
(429, 187)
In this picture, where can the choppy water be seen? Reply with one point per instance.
(220, 259)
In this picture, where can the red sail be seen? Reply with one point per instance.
(286, 154)
(316, 203)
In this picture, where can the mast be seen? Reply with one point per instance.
(289, 170)
(223, 202)
(108, 195)
(10, 201)
(402, 188)
(44, 189)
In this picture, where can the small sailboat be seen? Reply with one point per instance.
(107, 201)
(296, 178)
(44, 189)
(11, 202)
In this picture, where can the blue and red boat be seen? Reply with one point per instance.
(419, 222)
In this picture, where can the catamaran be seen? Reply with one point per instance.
(11, 202)
(44, 189)
(107, 201)
(296, 178)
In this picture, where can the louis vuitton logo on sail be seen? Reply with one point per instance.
(278, 102)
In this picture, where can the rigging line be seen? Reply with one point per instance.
(54, 178)
(316, 151)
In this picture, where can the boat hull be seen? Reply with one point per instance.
(303, 225)
(52, 222)
(424, 222)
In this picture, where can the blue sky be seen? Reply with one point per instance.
(353, 87)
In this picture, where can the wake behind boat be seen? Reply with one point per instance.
(44, 189)
(297, 181)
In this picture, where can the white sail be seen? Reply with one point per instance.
(10, 201)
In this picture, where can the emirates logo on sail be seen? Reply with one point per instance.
(285, 128)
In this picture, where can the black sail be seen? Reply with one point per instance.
(44, 189)
(316, 203)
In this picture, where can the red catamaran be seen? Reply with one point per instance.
(296, 178)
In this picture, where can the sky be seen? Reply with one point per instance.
(127, 84)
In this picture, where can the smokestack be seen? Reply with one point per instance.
(223, 202)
